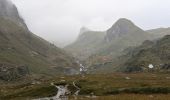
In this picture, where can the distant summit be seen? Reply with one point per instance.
(86, 43)
(122, 27)
(83, 30)
(9, 11)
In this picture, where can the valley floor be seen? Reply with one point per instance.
(116, 86)
(129, 97)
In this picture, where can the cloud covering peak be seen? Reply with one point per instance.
(61, 20)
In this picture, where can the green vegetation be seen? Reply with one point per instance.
(100, 47)
(156, 53)
(86, 44)
(136, 59)
(19, 47)
(103, 86)
(159, 32)
(127, 97)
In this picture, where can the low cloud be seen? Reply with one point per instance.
(60, 20)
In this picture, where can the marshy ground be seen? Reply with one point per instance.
(116, 86)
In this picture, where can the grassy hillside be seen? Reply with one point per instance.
(86, 44)
(121, 35)
(104, 53)
(95, 45)
(156, 53)
(159, 32)
(117, 86)
(18, 46)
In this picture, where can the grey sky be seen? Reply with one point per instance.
(60, 20)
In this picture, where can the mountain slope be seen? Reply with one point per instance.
(9, 11)
(20, 47)
(111, 43)
(137, 59)
(123, 34)
(159, 32)
(132, 58)
(156, 53)
(122, 27)
(86, 44)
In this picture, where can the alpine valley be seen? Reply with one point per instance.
(124, 62)
(124, 44)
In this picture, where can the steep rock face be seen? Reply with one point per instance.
(121, 27)
(9, 11)
(124, 27)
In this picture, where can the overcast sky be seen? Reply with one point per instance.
(60, 20)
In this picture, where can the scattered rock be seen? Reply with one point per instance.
(127, 78)
(167, 77)
(62, 80)
(35, 82)
(10, 72)
(151, 96)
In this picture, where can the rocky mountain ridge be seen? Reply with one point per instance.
(122, 34)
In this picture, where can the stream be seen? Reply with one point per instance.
(61, 94)
(63, 91)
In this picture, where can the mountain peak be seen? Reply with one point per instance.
(122, 27)
(124, 21)
(83, 30)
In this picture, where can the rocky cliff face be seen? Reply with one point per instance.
(9, 11)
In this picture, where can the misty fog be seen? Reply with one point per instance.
(59, 21)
